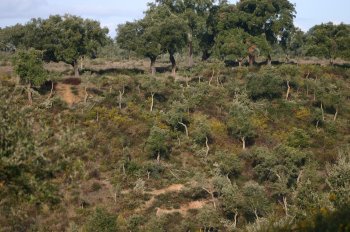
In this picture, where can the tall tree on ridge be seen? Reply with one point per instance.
(194, 14)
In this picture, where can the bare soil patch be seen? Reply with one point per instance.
(183, 208)
(69, 93)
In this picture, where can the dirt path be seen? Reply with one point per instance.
(183, 208)
(155, 193)
(65, 92)
(171, 188)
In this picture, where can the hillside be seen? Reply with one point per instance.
(215, 147)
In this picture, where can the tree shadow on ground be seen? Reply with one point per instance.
(163, 69)
(115, 71)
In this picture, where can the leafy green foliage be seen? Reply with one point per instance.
(18, 153)
(141, 37)
(255, 200)
(296, 42)
(273, 18)
(100, 153)
(229, 164)
(29, 67)
(326, 220)
(101, 220)
(176, 115)
(201, 132)
(25, 175)
(156, 143)
(328, 41)
(232, 45)
(240, 122)
(64, 38)
(298, 138)
(265, 86)
(338, 179)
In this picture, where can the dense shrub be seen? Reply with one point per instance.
(157, 143)
(265, 86)
(102, 221)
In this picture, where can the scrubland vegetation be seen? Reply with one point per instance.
(227, 125)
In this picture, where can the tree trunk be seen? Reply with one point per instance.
(51, 91)
(173, 65)
(190, 55)
(138, 89)
(336, 114)
(76, 69)
(121, 93)
(86, 95)
(243, 143)
(211, 193)
(299, 176)
(124, 169)
(323, 118)
(218, 79)
(314, 95)
(240, 61)
(317, 123)
(287, 58)
(152, 101)
(207, 145)
(256, 215)
(235, 220)
(187, 80)
(81, 62)
(285, 206)
(288, 91)
(29, 92)
(212, 76)
(308, 74)
(269, 60)
(153, 66)
(251, 60)
(158, 157)
(184, 125)
(115, 196)
(205, 55)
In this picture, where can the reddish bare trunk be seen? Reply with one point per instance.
(251, 59)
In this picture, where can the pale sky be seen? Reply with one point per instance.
(113, 12)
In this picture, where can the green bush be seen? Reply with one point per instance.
(95, 187)
(229, 164)
(266, 86)
(298, 138)
(157, 143)
(29, 67)
(102, 221)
